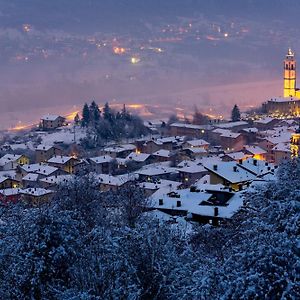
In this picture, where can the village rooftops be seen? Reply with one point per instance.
(282, 147)
(284, 99)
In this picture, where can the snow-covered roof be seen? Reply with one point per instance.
(7, 158)
(191, 126)
(138, 157)
(226, 133)
(257, 167)
(43, 147)
(59, 159)
(31, 177)
(57, 179)
(101, 159)
(36, 192)
(115, 180)
(237, 155)
(231, 124)
(255, 150)
(155, 170)
(192, 202)
(251, 130)
(163, 153)
(265, 121)
(192, 168)
(197, 143)
(160, 184)
(230, 171)
(284, 147)
(42, 169)
(50, 117)
(11, 192)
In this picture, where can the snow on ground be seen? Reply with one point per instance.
(64, 135)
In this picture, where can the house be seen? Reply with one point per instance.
(195, 131)
(266, 123)
(64, 163)
(249, 134)
(11, 161)
(157, 171)
(281, 152)
(233, 126)
(257, 167)
(139, 158)
(151, 187)
(208, 206)
(6, 183)
(230, 141)
(42, 169)
(100, 164)
(51, 122)
(190, 172)
(30, 180)
(119, 151)
(162, 155)
(256, 152)
(235, 156)
(199, 143)
(10, 195)
(36, 196)
(45, 152)
(113, 183)
(52, 182)
(229, 174)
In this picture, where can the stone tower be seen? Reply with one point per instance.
(289, 75)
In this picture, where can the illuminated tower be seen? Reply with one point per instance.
(289, 75)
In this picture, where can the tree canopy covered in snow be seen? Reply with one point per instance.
(91, 245)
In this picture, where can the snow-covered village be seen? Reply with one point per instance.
(130, 201)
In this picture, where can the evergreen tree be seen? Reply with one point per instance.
(76, 119)
(107, 113)
(95, 112)
(235, 114)
(85, 115)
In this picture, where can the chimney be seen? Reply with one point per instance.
(215, 167)
(178, 204)
(254, 162)
(241, 161)
(160, 202)
(216, 211)
(234, 168)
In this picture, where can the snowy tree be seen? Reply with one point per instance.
(235, 114)
(85, 115)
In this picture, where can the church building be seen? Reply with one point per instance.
(289, 104)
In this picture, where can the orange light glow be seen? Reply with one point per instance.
(119, 50)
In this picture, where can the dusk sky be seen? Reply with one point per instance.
(55, 55)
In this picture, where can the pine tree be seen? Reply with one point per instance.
(94, 112)
(85, 115)
(235, 114)
(76, 119)
(107, 113)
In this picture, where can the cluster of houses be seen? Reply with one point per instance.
(192, 171)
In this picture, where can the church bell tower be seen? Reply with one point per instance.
(289, 75)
